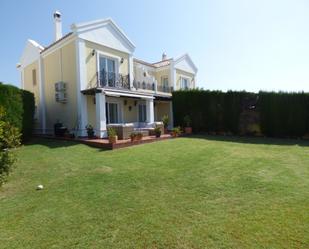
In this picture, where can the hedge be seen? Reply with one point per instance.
(273, 114)
(19, 107)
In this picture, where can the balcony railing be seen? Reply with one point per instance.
(143, 85)
(166, 89)
(151, 87)
(114, 80)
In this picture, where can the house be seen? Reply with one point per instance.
(90, 76)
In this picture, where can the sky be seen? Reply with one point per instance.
(236, 44)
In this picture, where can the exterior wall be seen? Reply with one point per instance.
(163, 72)
(91, 110)
(61, 66)
(35, 89)
(130, 116)
(161, 108)
(180, 74)
(91, 61)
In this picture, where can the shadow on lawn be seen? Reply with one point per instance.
(253, 140)
(55, 143)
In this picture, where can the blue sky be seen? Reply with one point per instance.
(236, 44)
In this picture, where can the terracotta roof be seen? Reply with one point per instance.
(156, 64)
(54, 43)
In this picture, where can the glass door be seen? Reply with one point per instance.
(142, 116)
(107, 69)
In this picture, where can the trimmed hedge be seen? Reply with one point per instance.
(19, 107)
(275, 114)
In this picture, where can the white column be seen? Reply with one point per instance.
(81, 85)
(42, 113)
(100, 115)
(149, 111)
(171, 117)
(131, 70)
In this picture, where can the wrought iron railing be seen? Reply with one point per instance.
(143, 85)
(114, 80)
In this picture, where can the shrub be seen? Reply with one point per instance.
(28, 115)
(9, 138)
(187, 121)
(165, 121)
(111, 132)
(19, 107)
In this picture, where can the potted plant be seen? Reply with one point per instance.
(187, 123)
(165, 121)
(112, 135)
(133, 136)
(90, 131)
(176, 131)
(139, 136)
(157, 132)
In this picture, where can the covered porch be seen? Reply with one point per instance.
(126, 112)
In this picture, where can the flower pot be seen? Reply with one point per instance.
(112, 140)
(158, 135)
(165, 130)
(188, 130)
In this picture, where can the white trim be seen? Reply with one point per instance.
(58, 45)
(107, 56)
(188, 59)
(87, 26)
(100, 128)
(121, 94)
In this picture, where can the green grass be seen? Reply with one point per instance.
(204, 192)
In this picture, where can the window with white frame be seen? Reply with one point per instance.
(112, 113)
(107, 74)
(184, 83)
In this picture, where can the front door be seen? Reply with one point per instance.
(112, 113)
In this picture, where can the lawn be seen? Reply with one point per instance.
(200, 192)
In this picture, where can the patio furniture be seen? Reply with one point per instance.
(123, 130)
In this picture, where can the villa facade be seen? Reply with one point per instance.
(90, 76)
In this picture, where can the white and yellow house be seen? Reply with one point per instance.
(90, 76)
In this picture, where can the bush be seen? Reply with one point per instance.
(28, 115)
(9, 138)
(273, 114)
(19, 107)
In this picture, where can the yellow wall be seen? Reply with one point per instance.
(180, 73)
(160, 74)
(91, 110)
(91, 61)
(161, 109)
(28, 85)
(61, 66)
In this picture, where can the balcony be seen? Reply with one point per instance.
(151, 87)
(165, 89)
(113, 80)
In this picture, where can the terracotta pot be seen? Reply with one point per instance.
(165, 131)
(112, 140)
(188, 130)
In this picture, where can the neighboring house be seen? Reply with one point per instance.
(89, 76)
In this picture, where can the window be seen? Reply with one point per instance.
(142, 116)
(107, 72)
(112, 113)
(165, 81)
(34, 77)
(184, 83)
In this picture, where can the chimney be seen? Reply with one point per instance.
(164, 56)
(58, 25)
